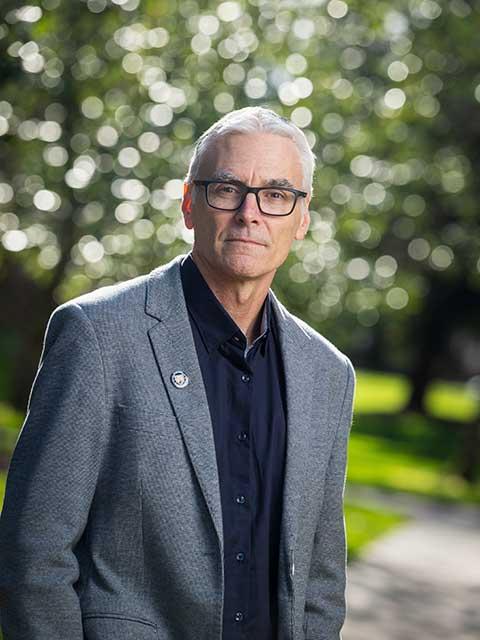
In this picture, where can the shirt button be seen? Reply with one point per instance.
(240, 499)
(240, 556)
(238, 616)
(243, 435)
(245, 378)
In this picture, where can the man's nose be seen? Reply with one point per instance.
(249, 210)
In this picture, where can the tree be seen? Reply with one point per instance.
(103, 100)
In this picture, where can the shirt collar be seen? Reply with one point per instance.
(214, 323)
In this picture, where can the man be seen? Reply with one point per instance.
(180, 472)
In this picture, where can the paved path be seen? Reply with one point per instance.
(421, 582)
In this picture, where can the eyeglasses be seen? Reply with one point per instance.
(229, 196)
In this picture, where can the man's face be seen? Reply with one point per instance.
(246, 244)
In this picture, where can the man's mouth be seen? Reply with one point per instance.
(246, 240)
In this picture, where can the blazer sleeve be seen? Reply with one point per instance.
(51, 482)
(325, 597)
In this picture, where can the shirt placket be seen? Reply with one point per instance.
(239, 552)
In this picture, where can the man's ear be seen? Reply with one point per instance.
(187, 205)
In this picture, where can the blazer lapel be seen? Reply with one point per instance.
(172, 341)
(300, 369)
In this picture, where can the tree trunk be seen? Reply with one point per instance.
(428, 334)
(26, 307)
(470, 460)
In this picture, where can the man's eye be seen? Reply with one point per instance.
(226, 188)
(276, 195)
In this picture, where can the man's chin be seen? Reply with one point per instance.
(243, 265)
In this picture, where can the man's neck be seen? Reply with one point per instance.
(242, 300)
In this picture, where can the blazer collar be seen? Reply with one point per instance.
(165, 301)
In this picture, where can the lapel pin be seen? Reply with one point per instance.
(179, 379)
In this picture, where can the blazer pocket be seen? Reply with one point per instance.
(103, 626)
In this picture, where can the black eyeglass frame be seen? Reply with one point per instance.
(255, 190)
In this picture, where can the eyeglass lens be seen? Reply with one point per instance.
(227, 196)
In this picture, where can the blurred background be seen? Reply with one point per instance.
(101, 102)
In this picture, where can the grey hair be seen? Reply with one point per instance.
(253, 120)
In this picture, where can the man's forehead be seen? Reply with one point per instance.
(279, 167)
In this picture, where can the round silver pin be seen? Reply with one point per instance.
(179, 379)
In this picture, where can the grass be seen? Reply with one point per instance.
(10, 418)
(365, 524)
(409, 452)
(378, 392)
(452, 401)
(381, 463)
(3, 478)
(388, 393)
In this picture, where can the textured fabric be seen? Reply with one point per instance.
(112, 507)
(245, 391)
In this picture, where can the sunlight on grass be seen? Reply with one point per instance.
(380, 392)
(380, 462)
(366, 524)
(3, 478)
(451, 400)
(10, 418)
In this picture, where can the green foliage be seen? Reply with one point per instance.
(96, 135)
(101, 103)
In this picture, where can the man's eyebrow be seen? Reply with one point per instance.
(222, 174)
(279, 182)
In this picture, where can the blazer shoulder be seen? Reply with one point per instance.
(126, 301)
(329, 354)
(119, 301)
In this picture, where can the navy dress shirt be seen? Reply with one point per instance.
(245, 390)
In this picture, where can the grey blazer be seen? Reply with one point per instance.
(112, 524)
